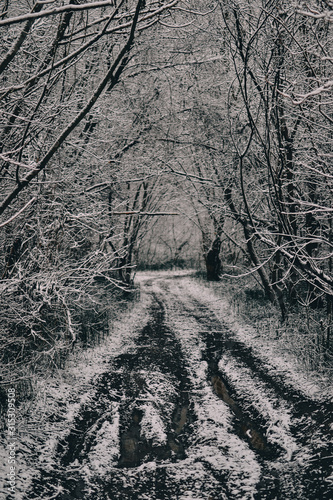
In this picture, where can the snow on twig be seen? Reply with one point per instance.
(54, 11)
(18, 213)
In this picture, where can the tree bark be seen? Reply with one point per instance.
(213, 261)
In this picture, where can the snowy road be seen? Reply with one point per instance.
(191, 410)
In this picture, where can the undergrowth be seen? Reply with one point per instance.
(37, 336)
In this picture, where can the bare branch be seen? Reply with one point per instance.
(18, 213)
(55, 11)
(112, 75)
(150, 214)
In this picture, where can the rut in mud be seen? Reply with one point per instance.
(308, 416)
(148, 387)
(128, 384)
(191, 412)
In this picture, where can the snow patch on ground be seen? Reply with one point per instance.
(272, 353)
(121, 339)
(213, 441)
(255, 393)
(157, 404)
(152, 426)
(161, 391)
(105, 451)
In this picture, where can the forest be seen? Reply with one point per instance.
(141, 135)
(146, 135)
(170, 136)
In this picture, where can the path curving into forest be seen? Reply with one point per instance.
(191, 412)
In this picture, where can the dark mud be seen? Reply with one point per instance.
(153, 380)
(220, 339)
(126, 384)
(308, 416)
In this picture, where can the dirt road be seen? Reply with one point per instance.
(192, 411)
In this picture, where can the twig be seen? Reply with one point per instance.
(18, 213)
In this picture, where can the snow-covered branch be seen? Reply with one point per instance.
(56, 11)
(11, 219)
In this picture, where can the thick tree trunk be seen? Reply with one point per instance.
(213, 261)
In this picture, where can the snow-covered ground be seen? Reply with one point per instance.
(270, 350)
(183, 400)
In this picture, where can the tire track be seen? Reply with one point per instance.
(308, 419)
(187, 413)
(143, 400)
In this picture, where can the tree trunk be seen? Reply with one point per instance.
(213, 261)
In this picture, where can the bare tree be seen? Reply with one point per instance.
(59, 69)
